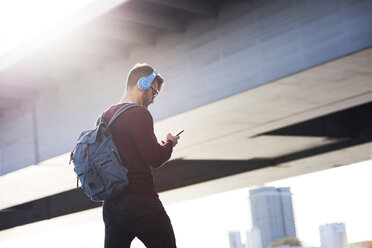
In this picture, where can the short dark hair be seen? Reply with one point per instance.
(142, 70)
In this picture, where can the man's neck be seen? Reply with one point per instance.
(128, 98)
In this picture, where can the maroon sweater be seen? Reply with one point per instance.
(133, 135)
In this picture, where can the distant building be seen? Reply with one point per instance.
(272, 213)
(254, 238)
(235, 240)
(333, 236)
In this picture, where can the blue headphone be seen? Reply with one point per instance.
(144, 83)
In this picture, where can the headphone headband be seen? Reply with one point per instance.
(144, 83)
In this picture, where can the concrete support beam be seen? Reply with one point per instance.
(348, 123)
(197, 7)
(117, 30)
(10, 93)
(80, 60)
(52, 73)
(90, 45)
(21, 86)
(7, 101)
(148, 18)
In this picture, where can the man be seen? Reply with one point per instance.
(138, 212)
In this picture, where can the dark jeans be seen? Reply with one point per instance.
(129, 216)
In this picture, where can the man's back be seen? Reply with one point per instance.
(138, 147)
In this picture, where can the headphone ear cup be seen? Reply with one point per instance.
(144, 83)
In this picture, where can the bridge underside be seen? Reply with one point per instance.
(310, 121)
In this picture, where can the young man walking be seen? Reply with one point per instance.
(138, 212)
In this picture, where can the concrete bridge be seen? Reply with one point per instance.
(263, 89)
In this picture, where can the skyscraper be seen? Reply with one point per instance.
(235, 240)
(254, 238)
(333, 236)
(272, 213)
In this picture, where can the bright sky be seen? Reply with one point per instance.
(23, 20)
(337, 195)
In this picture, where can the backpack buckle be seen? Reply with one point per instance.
(71, 157)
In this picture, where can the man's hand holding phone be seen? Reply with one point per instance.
(172, 138)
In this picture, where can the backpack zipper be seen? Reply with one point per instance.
(100, 165)
(113, 151)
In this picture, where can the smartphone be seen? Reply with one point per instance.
(178, 134)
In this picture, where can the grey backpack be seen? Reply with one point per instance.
(97, 162)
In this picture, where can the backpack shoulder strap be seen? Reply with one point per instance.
(100, 119)
(120, 111)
